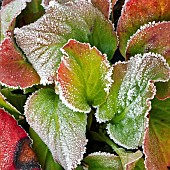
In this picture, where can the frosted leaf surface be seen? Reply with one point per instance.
(61, 129)
(84, 76)
(128, 102)
(157, 136)
(136, 13)
(102, 160)
(15, 145)
(15, 71)
(153, 37)
(41, 41)
(8, 14)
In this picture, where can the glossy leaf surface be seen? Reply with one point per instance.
(41, 41)
(128, 102)
(83, 76)
(157, 136)
(136, 13)
(61, 129)
(15, 71)
(15, 150)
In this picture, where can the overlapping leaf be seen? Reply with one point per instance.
(157, 136)
(61, 129)
(100, 161)
(83, 76)
(15, 150)
(128, 102)
(15, 71)
(9, 12)
(41, 41)
(136, 13)
(154, 37)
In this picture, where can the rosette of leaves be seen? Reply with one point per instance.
(61, 87)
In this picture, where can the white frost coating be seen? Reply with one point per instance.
(143, 27)
(41, 41)
(134, 97)
(98, 116)
(9, 12)
(62, 130)
(101, 154)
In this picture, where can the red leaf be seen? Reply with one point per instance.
(14, 70)
(137, 13)
(15, 150)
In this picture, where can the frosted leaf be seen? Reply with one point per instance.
(41, 41)
(84, 76)
(102, 160)
(152, 37)
(15, 71)
(61, 129)
(15, 145)
(129, 100)
(8, 14)
(135, 14)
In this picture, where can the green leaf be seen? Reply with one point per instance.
(136, 13)
(41, 41)
(83, 77)
(8, 14)
(61, 129)
(43, 154)
(102, 161)
(8, 107)
(157, 136)
(129, 100)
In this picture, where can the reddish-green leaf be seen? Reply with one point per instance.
(15, 150)
(61, 129)
(154, 37)
(129, 100)
(8, 13)
(157, 136)
(15, 71)
(83, 76)
(41, 41)
(136, 13)
(104, 6)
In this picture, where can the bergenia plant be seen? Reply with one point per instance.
(85, 85)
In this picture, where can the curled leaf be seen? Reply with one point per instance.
(15, 71)
(15, 150)
(136, 13)
(153, 37)
(61, 129)
(41, 41)
(84, 76)
(129, 100)
(10, 10)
